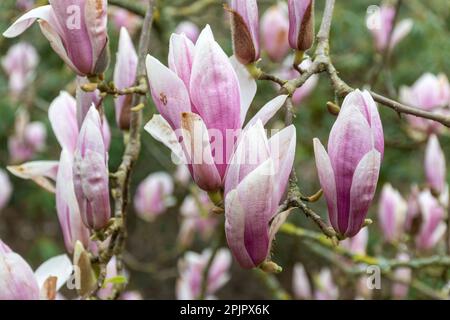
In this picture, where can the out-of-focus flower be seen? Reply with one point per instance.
(18, 282)
(154, 196)
(430, 93)
(189, 29)
(191, 102)
(432, 224)
(392, 213)
(5, 189)
(300, 283)
(288, 72)
(20, 63)
(195, 211)
(301, 24)
(381, 25)
(413, 211)
(358, 243)
(76, 30)
(124, 77)
(435, 166)
(400, 289)
(131, 295)
(28, 139)
(254, 186)
(24, 5)
(349, 172)
(90, 169)
(274, 32)
(326, 289)
(191, 268)
(123, 18)
(245, 30)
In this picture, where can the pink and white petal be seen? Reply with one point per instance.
(57, 44)
(41, 172)
(181, 57)
(168, 91)
(197, 147)
(247, 84)
(401, 30)
(253, 194)
(63, 119)
(282, 151)
(161, 130)
(327, 180)
(25, 21)
(363, 190)
(268, 111)
(59, 267)
(96, 25)
(235, 229)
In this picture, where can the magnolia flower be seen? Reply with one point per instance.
(413, 211)
(349, 172)
(300, 283)
(19, 64)
(274, 31)
(28, 139)
(24, 5)
(43, 173)
(326, 289)
(182, 175)
(123, 18)
(191, 268)
(301, 24)
(435, 166)
(205, 98)
(196, 218)
(288, 72)
(245, 30)
(358, 243)
(254, 186)
(189, 29)
(76, 30)
(124, 77)
(392, 213)
(381, 25)
(5, 189)
(154, 195)
(131, 295)
(400, 289)
(90, 173)
(432, 226)
(18, 282)
(430, 93)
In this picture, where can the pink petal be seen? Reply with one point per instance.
(181, 57)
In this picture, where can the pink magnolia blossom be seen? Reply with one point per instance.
(381, 25)
(182, 175)
(28, 139)
(348, 173)
(255, 184)
(430, 93)
(154, 196)
(124, 77)
(24, 5)
(326, 289)
(191, 268)
(189, 29)
(392, 213)
(274, 32)
(5, 189)
(76, 30)
(19, 64)
(400, 289)
(300, 283)
(245, 30)
(85, 100)
(301, 24)
(122, 18)
(90, 173)
(202, 97)
(435, 166)
(413, 211)
(18, 282)
(432, 226)
(357, 244)
(195, 212)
